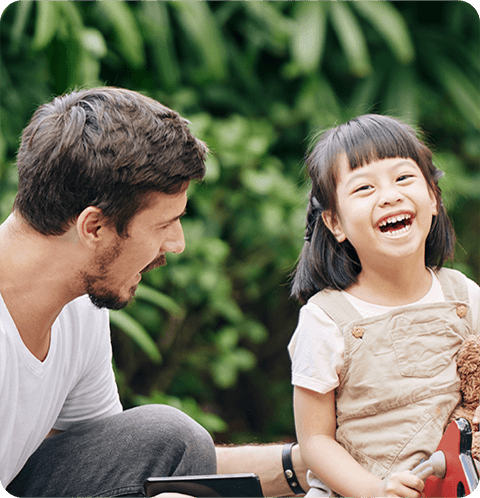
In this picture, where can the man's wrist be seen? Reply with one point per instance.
(291, 452)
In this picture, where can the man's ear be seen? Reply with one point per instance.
(90, 226)
(332, 223)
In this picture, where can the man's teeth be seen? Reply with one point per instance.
(394, 219)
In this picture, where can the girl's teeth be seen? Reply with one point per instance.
(399, 232)
(394, 219)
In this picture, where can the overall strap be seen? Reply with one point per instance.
(336, 306)
(453, 284)
(342, 312)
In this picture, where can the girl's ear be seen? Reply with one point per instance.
(332, 223)
(434, 203)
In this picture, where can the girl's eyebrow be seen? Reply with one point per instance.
(355, 176)
(362, 173)
(405, 161)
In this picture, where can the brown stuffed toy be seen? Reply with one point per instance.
(468, 364)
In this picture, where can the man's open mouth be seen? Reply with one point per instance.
(160, 261)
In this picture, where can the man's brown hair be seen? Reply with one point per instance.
(104, 147)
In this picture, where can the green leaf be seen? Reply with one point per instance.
(401, 98)
(226, 339)
(22, 14)
(364, 95)
(200, 26)
(159, 37)
(351, 38)
(391, 25)
(158, 299)
(46, 23)
(308, 38)
(463, 92)
(256, 331)
(123, 22)
(277, 26)
(317, 95)
(224, 373)
(137, 333)
(71, 13)
(93, 41)
(211, 422)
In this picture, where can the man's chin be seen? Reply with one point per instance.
(111, 301)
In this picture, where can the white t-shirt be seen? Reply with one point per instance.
(74, 383)
(317, 345)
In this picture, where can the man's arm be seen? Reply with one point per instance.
(263, 460)
(266, 462)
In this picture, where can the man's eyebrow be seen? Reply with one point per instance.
(167, 222)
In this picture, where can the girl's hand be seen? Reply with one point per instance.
(401, 484)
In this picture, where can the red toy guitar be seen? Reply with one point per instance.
(451, 471)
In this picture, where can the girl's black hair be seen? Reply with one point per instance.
(326, 263)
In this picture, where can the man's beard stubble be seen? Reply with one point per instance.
(99, 294)
(104, 298)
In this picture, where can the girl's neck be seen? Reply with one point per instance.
(392, 286)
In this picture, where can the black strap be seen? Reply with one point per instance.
(288, 471)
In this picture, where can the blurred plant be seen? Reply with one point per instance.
(256, 80)
(210, 421)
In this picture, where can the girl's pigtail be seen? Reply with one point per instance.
(314, 212)
(303, 283)
(323, 262)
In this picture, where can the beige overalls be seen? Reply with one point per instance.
(399, 382)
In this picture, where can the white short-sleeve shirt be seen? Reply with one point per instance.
(317, 345)
(74, 383)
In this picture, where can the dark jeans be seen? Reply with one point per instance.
(114, 456)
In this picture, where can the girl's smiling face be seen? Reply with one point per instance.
(384, 209)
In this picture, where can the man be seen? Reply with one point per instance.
(103, 175)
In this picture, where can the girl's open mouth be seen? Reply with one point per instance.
(396, 225)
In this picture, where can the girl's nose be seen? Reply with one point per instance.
(175, 242)
(390, 196)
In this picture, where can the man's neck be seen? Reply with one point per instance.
(35, 275)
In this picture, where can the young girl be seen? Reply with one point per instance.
(373, 355)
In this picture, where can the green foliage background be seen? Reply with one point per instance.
(208, 333)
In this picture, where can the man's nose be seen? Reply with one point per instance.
(175, 241)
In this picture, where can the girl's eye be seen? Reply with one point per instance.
(403, 178)
(363, 188)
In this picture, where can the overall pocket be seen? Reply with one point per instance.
(424, 349)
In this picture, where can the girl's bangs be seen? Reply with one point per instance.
(373, 138)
